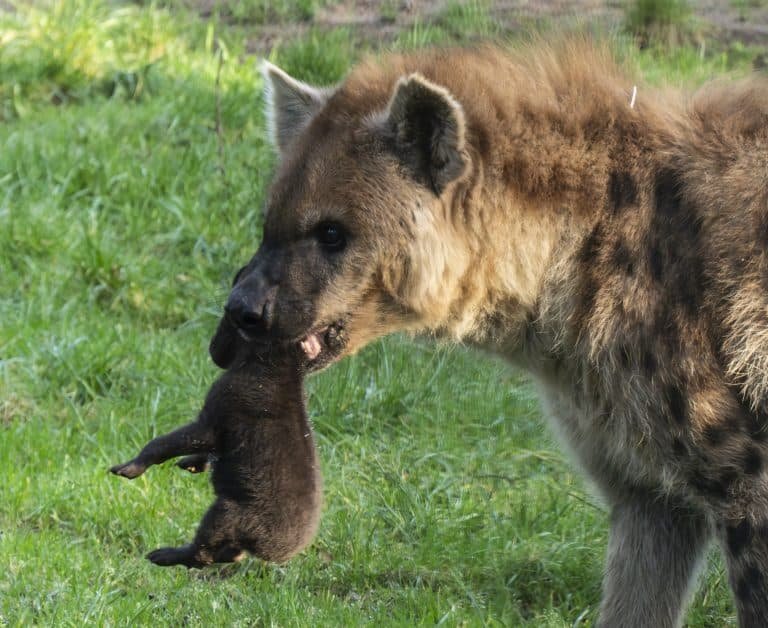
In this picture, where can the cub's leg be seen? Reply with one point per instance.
(192, 438)
(191, 556)
(745, 543)
(215, 541)
(196, 463)
(654, 552)
(168, 556)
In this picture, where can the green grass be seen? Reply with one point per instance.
(660, 21)
(123, 214)
(253, 12)
(745, 5)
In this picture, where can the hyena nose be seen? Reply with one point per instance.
(251, 311)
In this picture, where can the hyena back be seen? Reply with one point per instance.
(614, 246)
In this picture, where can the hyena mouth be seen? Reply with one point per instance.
(321, 345)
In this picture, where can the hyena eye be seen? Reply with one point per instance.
(331, 236)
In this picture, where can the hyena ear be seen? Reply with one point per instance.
(224, 344)
(428, 126)
(290, 105)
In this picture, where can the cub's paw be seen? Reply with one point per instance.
(198, 463)
(168, 556)
(129, 470)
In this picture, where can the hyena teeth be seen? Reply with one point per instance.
(311, 346)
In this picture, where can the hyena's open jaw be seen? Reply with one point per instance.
(323, 345)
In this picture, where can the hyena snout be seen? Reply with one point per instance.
(251, 304)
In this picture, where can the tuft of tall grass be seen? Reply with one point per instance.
(460, 21)
(665, 22)
(319, 57)
(64, 50)
(252, 12)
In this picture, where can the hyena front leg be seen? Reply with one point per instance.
(192, 438)
(654, 552)
(745, 543)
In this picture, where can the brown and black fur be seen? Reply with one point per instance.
(265, 474)
(616, 248)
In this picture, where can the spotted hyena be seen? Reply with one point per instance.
(615, 246)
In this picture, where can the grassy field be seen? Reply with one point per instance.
(132, 170)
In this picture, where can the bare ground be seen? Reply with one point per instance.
(378, 22)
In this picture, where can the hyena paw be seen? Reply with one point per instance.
(129, 470)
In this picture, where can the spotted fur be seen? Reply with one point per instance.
(513, 200)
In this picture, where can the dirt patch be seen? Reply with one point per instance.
(748, 25)
(378, 22)
(718, 18)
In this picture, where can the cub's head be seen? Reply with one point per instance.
(231, 347)
(359, 238)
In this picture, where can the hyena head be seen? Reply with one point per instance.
(356, 243)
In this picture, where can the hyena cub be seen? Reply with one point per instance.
(266, 473)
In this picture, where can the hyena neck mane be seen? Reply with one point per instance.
(553, 144)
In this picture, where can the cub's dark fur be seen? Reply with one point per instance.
(266, 473)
